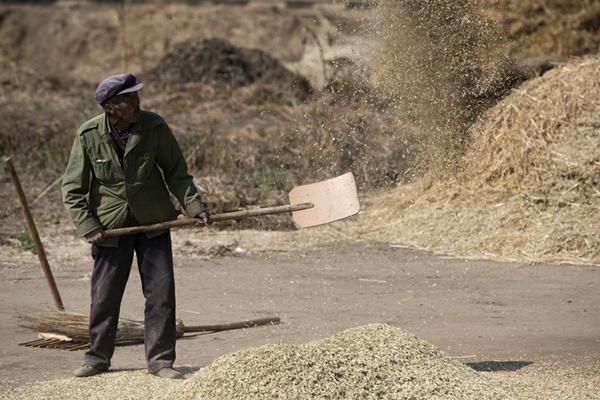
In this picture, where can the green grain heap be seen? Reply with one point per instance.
(370, 362)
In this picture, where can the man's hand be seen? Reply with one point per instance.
(203, 219)
(96, 236)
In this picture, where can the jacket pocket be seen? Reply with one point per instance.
(146, 163)
(102, 168)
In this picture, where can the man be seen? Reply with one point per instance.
(122, 166)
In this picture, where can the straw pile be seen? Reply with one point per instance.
(549, 27)
(528, 188)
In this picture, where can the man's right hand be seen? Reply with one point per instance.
(203, 218)
(95, 236)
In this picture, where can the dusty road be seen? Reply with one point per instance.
(474, 310)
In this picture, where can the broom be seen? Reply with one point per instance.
(74, 326)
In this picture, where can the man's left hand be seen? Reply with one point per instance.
(203, 219)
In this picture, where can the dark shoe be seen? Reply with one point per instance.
(168, 373)
(88, 370)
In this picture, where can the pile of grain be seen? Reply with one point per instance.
(528, 189)
(373, 361)
(114, 385)
(370, 362)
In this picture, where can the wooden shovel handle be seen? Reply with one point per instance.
(232, 325)
(214, 218)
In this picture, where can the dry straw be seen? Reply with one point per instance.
(529, 186)
(549, 27)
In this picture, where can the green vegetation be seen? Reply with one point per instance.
(26, 242)
(266, 179)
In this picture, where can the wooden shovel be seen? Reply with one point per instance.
(311, 205)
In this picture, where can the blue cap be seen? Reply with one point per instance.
(115, 85)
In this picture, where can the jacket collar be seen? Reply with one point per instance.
(134, 139)
(136, 136)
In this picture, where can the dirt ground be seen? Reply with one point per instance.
(247, 145)
(508, 318)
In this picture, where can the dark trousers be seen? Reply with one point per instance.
(109, 277)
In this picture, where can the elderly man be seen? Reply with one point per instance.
(121, 168)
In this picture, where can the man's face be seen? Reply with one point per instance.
(125, 107)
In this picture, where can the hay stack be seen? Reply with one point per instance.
(529, 188)
(375, 361)
(560, 28)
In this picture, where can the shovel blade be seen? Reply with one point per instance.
(333, 199)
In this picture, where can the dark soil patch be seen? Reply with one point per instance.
(218, 62)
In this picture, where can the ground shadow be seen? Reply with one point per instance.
(498, 366)
(189, 336)
(115, 370)
(184, 369)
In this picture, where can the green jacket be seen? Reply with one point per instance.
(152, 163)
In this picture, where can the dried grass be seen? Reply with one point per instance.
(528, 188)
(557, 28)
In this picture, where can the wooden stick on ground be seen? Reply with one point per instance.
(48, 188)
(34, 234)
(232, 325)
